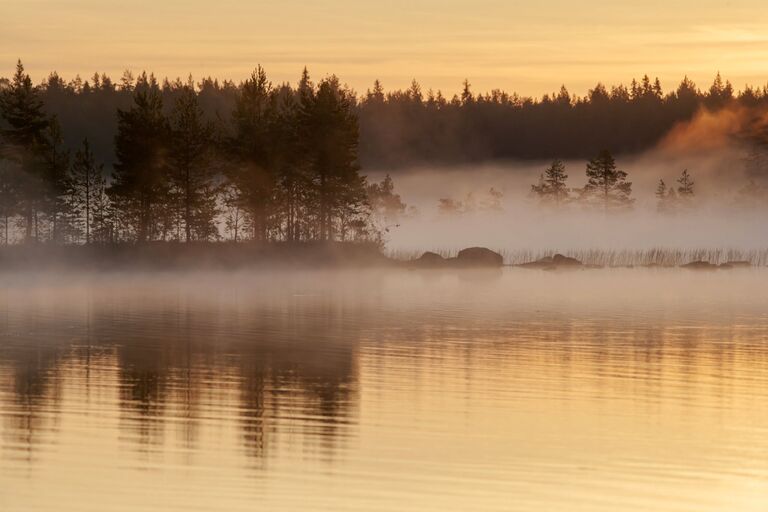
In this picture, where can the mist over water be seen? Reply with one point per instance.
(717, 218)
(519, 390)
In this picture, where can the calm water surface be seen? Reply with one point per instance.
(519, 390)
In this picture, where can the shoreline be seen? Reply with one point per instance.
(213, 256)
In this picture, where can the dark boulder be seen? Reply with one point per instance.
(559, 260)
(699, 265)
(478, 257)
(553, 263)
(429, 260)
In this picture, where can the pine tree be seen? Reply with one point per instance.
(330, 130)
(685, 190)
(288, 162)
(235, 217)
(606, 184)
(666, 197)
(191, 167)
(87, 184)
(8, 198)
(140, 180)
(25, 143)
(552, 186)
(55, 199)
(103, 214)
(251, 172)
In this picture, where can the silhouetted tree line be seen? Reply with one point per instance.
(273, 163)
(411, 127)
(408, 127)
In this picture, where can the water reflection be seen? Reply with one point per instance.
(385, 391)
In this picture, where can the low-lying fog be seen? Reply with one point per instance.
(494, 207)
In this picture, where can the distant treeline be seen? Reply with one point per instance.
(411, 127)
(138, 159)
(281, 164)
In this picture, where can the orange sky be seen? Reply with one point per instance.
(517, 46)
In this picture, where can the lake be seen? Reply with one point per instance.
(385, 390)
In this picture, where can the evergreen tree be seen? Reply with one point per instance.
(235, 217)
(666, 197)
(8, 198)
(552, 184)
(606, 184)
(55, 199)
(140, 180)
(385, 203)
(288, 161)
(103, 214)
(330, 130)
(88, 185)
(191, 167)
(250, 146)
(685, 190)
(25, 143)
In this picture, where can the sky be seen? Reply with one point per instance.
(527, 47)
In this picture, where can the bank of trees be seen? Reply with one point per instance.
(282, 166)
(402, 128)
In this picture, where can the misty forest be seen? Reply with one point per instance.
(137, 160)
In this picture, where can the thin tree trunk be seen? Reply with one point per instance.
(187, 208)
(87, 209)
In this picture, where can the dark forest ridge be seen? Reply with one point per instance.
(94, 162)
(403, 128)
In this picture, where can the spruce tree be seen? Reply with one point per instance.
(330, 130)
(191, 166)
(140, 180)
(250, 146)
(606, 184)
(87, 184)
(8, 198)
(56, 196)
(552, 186)
(685, 190)
(25, 143)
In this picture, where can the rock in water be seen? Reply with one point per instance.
(430, 260)
(559, 260)
(479, 257)
(699, 265)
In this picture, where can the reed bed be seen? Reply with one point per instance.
(657, 256)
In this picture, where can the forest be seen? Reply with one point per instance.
(285, 167)
(405, 128)
(139, 160)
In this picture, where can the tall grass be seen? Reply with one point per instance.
(659, 256)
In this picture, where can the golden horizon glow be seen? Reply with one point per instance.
(518, 47)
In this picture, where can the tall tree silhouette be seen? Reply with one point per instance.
(250, 146)
(25, 143)
(140, 179)
(685, 182)
(330, 131)
(8, 197)
(87, 185)
(192, 172)
(606, 185)
(552, 186)
(57, 203)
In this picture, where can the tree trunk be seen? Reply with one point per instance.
(187, 207)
